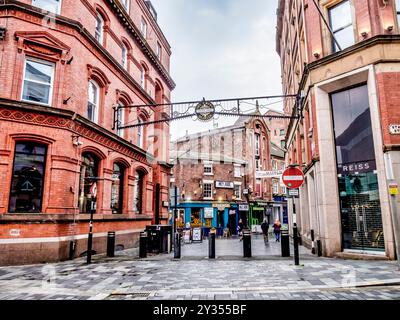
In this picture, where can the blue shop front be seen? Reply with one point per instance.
(207, 215)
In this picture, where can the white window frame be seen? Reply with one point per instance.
(99, 34)
(275, 187)
(124, 52)
(237, 171)
(125, 5)
(239, 186)
(97, 104)
(50, 100)
(208, 164)
(58, 7)
(121, 120)
(211, 184)
(140, 140)
(143, 28)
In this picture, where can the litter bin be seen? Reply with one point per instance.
(285, 244)
(111, 244)
(157, 238)
(143, 245)
(246, 243)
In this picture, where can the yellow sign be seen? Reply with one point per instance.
(393, 189)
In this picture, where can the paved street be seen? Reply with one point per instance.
(196, 277)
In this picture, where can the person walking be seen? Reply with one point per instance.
(277, 230)
(264, 228)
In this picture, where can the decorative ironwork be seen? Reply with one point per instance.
(205, 110)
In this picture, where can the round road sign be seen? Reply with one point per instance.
(293, 178)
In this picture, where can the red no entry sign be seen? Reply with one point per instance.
(293, 178)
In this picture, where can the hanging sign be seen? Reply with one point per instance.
(205, 111)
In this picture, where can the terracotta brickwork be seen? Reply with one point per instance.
(67, 42)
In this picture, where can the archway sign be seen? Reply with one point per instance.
(293, 178)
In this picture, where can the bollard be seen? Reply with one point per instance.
(295, 245)
(246, 243)
(312, 242)
(177, 246)
(319, 248)
(143, 245)
(211, 245)
(111, 244)
(285, 243)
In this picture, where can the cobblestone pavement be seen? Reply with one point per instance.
(161, 277)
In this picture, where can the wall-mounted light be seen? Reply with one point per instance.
(75, 141)
(316, 55)
(364, 34)
(389, 28)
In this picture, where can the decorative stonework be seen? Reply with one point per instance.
(74, 126)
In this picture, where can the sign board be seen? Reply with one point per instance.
(293, 178)
(243, 207)
(205, 111)
(221, 206)
(293, 192)
(394, 129)
(93, 189)
(196, 235)
(245, 191)
(224, 184)
(208, 213)
(165, 204)
(269, 174)
(15, 232)
(393, 189)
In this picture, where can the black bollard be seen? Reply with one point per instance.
(177, 246)
(285, 243)
(312, 242)
(319, 248)
(111, 244)
(246, 243)
(143, 245)
(295, 245)
(211, 245)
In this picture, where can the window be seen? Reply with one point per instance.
(238, 191)
(28, 177)
(258, 187)
(140, 134)
(125, 4)
(48, 5)
(120, 121)
(275, 187)
(257, 138)
(283, 144)
(143, 28)
(258, 164)
(158, 52)
(341, 23)
(124, 60)
(99, 32)
(93, 101)
(398, 11)
(282, 132)
(208, 168)
(138, 192)
(117, 188)
(87, 182)
(143, 77)
(207, 190)
(237, 172)
(38, 81)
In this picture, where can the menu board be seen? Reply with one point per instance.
(196, 235)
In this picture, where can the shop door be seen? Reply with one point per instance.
(360, 212)
(232, 222)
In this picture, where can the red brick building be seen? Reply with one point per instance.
(343, 57)
(64, 66)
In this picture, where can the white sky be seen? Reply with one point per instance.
(220, 49)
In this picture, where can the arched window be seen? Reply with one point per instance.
(28, 177)
(88, 182)
(143, 77)
(117, 188)
(93, 101)
(140, 136)
(138, 192)
(99, 32)
(124, 58)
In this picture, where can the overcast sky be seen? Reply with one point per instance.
(220, 49)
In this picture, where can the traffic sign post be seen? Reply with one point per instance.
(293, 178)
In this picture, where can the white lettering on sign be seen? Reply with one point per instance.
(223, 184)
(394, 129)
(15, 232)
(269, 174)
(293, 178)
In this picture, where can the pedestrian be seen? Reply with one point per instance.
(240, 229)
(277, 230)
(264, 228)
